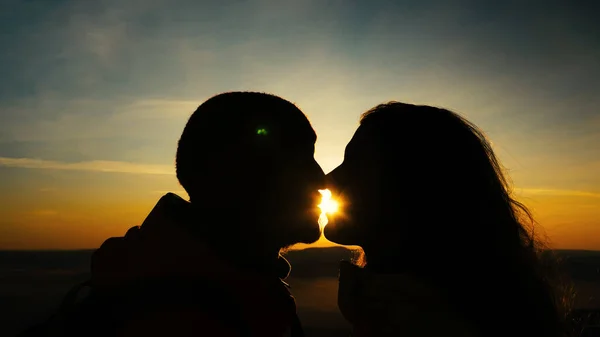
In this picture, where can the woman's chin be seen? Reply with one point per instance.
(337, 235)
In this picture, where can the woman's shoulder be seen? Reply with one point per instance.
(396, 304)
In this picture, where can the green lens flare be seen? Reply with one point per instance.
(261, 131)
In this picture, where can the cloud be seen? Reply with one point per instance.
(557, 192)
(94, 165)
(59, 117)
(44, 212)
(47, 189)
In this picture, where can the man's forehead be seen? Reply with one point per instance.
(289, 126)
(297, 134)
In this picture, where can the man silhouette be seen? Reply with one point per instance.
(212, 266)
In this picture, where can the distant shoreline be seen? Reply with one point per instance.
(301, 247)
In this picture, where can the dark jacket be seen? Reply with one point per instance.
(159, 250)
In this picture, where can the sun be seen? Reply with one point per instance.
(328, 206)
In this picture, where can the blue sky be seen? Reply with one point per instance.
(93, 86)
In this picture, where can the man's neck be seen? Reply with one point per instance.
(242, 250)
(248, 257)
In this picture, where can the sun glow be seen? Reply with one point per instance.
(328, 206)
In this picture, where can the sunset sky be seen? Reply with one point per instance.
(94, 96)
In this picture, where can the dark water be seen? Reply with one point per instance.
(32, 285)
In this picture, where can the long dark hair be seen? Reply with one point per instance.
(449, 203)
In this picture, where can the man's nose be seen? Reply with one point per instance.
(318, 175)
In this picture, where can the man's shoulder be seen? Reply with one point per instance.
(176, 307)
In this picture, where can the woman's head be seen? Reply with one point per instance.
(422, 176)
(424, 192)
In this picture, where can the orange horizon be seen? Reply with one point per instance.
(73, 220)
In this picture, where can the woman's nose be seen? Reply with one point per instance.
(333, 179)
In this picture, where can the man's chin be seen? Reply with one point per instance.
(337, 236)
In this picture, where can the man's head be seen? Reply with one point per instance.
(246, 160)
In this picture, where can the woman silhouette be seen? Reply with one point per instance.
(448, 250)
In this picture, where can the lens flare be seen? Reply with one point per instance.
(328, 206)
